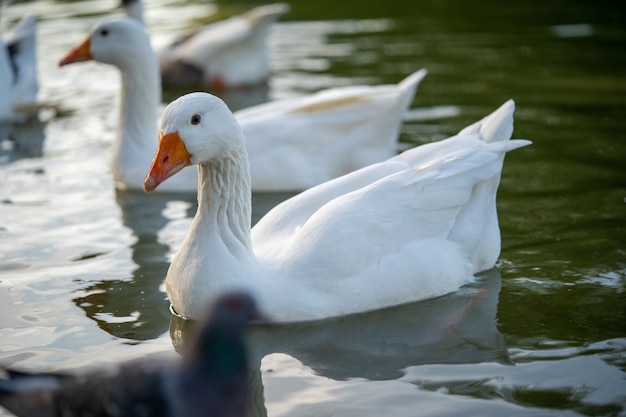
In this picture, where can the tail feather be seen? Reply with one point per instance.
(494, 127)
(408, 86)
(411, 82)
(514, 144)
(497, 127)
(267, 13)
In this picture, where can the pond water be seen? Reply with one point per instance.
(81, 265)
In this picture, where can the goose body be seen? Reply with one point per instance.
(225, 54)
(18, 71)
(415, 226)
(293, 144)
(212, 378)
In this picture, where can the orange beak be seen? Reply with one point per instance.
(79, 53)
(171, 156)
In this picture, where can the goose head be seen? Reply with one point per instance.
(114, 41)
(197, 128)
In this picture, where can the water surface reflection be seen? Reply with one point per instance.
(21, 140)
(135, 307)
(456, 328)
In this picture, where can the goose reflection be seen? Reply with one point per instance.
(457, 328)
(135, 308)
(21, 140)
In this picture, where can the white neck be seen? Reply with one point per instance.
(137, 132)
(224, 201)
(217, 253)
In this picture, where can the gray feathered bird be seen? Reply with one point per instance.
(210, 380)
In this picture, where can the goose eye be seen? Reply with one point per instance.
(195, 119)
(104, 32)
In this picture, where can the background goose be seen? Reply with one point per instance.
(229, 53)
(18, 71)
(293, 143)
(212, 378)
(415, 226)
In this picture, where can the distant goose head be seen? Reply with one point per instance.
(197, 128)
(114, 41)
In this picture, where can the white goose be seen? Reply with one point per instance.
(18, 71)
(225, 54)
(415, 226)
(293, 144)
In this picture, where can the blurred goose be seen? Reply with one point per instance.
(293, 144)
(18, 71)
(229, 53)
(415, 226)
(211, 379)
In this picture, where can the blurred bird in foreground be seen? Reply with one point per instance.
(210, 380)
